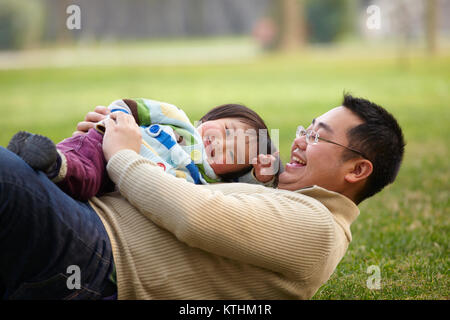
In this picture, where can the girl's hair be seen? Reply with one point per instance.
(248, 116)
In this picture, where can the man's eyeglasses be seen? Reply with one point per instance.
(313, 137)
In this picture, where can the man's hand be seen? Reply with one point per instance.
(91, 119)
(266, 166)
(121, 132)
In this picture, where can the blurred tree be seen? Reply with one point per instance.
(431, 26)
(348, 20)
(294, 22)
(293, 34)
(290, 19)
(330, 19)
(21, 23)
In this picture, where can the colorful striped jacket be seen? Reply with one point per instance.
(171, 141)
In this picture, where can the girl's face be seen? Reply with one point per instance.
(230, 144)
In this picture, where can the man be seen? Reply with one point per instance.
(367, 159)
(174, 240)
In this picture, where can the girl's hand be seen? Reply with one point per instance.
(121, 132)
(266, 166)
(91, 119)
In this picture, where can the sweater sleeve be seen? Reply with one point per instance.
(282, 231)
(249, 177)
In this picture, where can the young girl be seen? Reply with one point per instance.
(221, 149)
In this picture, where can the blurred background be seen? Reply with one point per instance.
(246, 28)
(290, 60)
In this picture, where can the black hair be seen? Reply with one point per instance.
(248, 116)
(379, 138)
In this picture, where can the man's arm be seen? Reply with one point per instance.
(282, 231)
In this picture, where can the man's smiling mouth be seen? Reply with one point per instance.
(296, 161)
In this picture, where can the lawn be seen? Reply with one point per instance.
(404, 230)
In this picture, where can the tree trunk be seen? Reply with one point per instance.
(291, 25)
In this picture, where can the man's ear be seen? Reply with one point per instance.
(360, 169)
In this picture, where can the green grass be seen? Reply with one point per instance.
(404, 230)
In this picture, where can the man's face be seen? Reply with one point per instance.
(320, 164)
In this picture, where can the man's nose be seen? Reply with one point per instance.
(300, 142)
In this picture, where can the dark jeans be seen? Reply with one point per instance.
(46, 237)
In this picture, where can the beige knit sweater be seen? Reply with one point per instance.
(172, 239)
